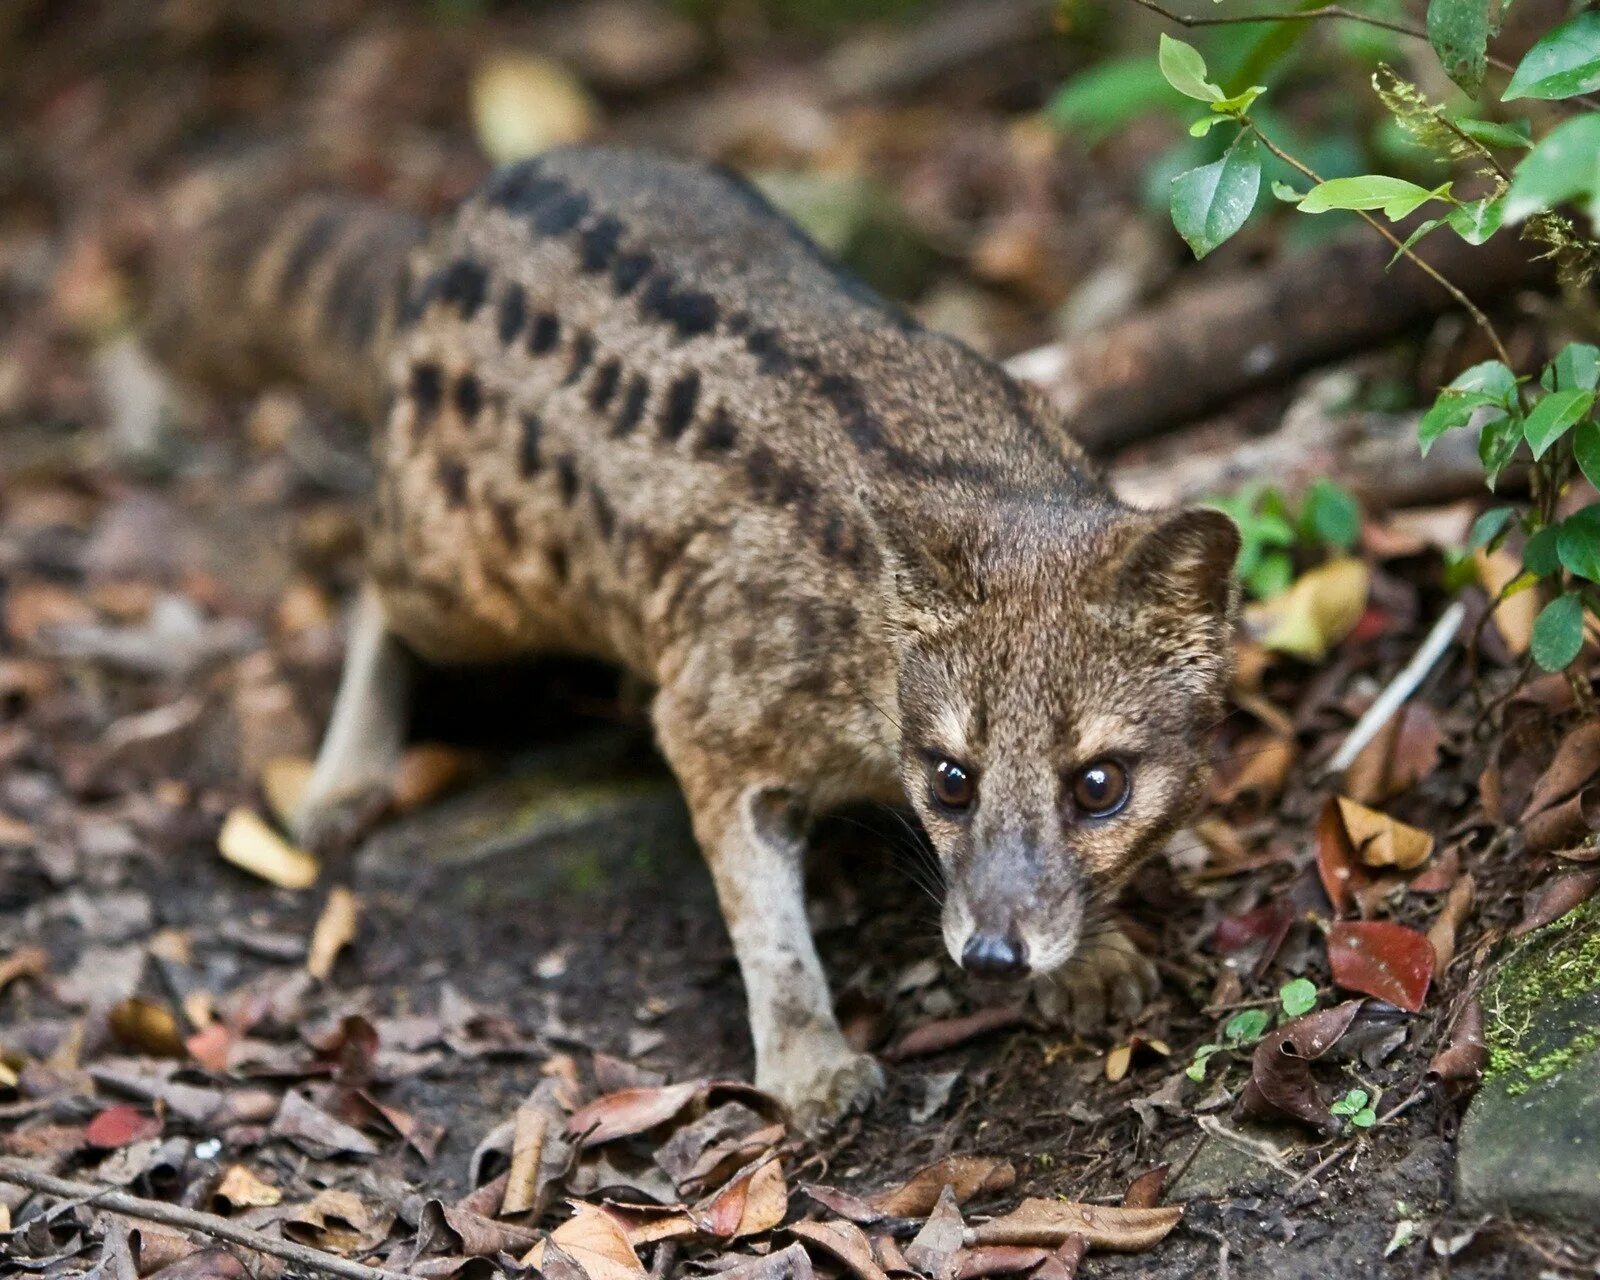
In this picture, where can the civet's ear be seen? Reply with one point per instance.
(1185, 560)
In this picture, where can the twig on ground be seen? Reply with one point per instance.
(207, 1224)
(1326, 1163)
(1400, 688)
(1262, 1151)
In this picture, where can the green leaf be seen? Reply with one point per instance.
(1185, 70)
(1459, 31)
(1498, 442)
(1539, 554)
(1196, 1070)
(1205, 124)
(1489, 526)
(1365, 1118)
(1351, 1103)
(1297, 997)
(1099, 101)
(1331, 516)
(1477, 220)
(1516, 136)
(1211, 203)
(1553, 416)
(1558, 632)
(1586, 449)
(1489, 383)
(1286, 193)
(1422, 229)
(1577, 365)
(1564, 63)
(1272, 576)
(1564, 166)
(1395, 196)
(1578, 543)
(1247, 1026)
(1239, 102)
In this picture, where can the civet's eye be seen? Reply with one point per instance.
(954, 786)
(1100, 789)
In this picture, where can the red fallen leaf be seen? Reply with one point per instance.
(966, 1176)
(209, 1047)
(1144, 1192)
(1380, 959)
(998, 1260)
(1342, 875)
(1466, 1056)
(630, 1111)
(1280, 1067)
(119, 1126)
(1270, 922)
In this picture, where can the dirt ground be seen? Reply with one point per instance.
(172, 580)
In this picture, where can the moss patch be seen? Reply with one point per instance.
(1540, 1009)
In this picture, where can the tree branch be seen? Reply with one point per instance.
(207, 1224)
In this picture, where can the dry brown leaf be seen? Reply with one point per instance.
(629, 1111)
(251, 845)
(283, 785)
(1341, 875)
(598, 1243)
(844, 1241)
(1048, 1223)
(966, 1176)
(1514, 616)
(1382, 841)
(1317, 612)
(425, 772)
(527, 1148)
(934, 1250)
(1264, 763)
(1555, 898)
(147, 1026)
(334, 931)
(1442, 933)
(1466, 1055)
(1576, 761)
(241, 1189)
(1404, 752)
(317, 1132)
(998, 1260)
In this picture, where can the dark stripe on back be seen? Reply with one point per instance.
(689, 311)
(604, 388)
(600, 240)
(544, 335)
(528, 460)
(426, 389)
(468, 396)
(678, 410)
(513, 313)
(582, 353)
(465, 284)
(453, 480)
(633, 402)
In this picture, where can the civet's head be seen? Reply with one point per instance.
(1060, 673)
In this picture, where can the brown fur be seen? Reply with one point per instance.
(634, 414)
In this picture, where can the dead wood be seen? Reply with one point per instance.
(1199, 349)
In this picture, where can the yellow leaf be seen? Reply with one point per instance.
(1319, 610)
(251, 845)
(523, 104)
(1381, 841)
(1513, 616)
(283, 783)
(335, 930)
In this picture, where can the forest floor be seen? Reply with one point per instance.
(519, 991)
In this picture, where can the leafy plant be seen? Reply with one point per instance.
(1516, 180)
(1273, 531)
(1355, 1107)
(1298, 997)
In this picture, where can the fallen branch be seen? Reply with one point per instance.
(1400, 688)
(1201, 348)
(207, 1224)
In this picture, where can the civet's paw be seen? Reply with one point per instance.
(333, 824)
(1109, 979)
(822, 1090)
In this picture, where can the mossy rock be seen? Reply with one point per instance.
(1530, 1144)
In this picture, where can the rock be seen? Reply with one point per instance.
(1530, 1144)
(1222, 1168)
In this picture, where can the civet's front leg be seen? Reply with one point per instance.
(755, 847)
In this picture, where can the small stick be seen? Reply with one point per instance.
(1400, 688)
(1338, 1154)
(208, 1224)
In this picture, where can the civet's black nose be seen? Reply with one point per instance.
(995, 955)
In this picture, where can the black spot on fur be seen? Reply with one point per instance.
(505, 518)
(604, 388)
(677, 412)
(309, 246)
(582, 354)
(464, 283)
(628, 270)
(767, 348)
(557, 557)
(513, 313)
(719, 435)
(599, 243)
(544, 335)
(468, 397)
(845, 395)
(558, 216)
(633, 402)
(759, 470)
(453, 480)
(528, 461)
(605, 517)
(567, 479)
(689, 311)
(426, 389)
